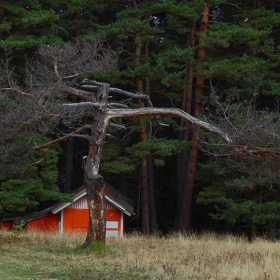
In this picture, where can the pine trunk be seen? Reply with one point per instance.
(143, 184)
(184, 135)
(187, 160)
(152, 205)
(182, 158)
(144, 192)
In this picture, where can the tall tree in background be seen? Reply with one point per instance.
(192, 103)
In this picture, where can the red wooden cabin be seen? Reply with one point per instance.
(73, 217)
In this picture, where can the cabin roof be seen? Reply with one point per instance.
(29, 217)
(112, 195)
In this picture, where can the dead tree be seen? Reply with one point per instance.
(53, 81)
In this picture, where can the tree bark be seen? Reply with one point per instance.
(97, 210)
(186, 180)
(93, 181)
(144, 178)
(143, 184)
(173, 112)
(144, 192)
(182, 157)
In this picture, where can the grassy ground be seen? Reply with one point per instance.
(52, 256)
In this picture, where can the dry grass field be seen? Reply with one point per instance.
(35, 255)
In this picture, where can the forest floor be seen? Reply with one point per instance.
(35, 255)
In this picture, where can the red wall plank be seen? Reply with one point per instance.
(6, 225)
(47, 223)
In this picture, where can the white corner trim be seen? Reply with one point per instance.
(61, 221)
(117, 205)
(122, 225)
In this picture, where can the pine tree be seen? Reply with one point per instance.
(242, 193)
(241, 64)
(22, 192)
(26, 24)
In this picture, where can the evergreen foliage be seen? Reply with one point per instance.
(117, 159)
(242, 193)
(20, 192)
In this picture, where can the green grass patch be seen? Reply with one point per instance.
(101, 249)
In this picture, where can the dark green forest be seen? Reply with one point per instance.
(217, 61)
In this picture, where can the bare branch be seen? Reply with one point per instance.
(129, 113)
(132, 95)
(37, 162)
(117, 105)
(41, 148)
(63, 138)
(16, 90)
(90, 88)
(110, 136)
(232, 4)
(82, 104)
(118, 126)
(77, 92)
(78, 136)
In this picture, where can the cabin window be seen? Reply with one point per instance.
(112, 233)
(112, 224)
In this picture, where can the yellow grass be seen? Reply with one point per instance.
(35, 255)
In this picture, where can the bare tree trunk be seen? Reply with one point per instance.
(93, 181)
(187, 161)
(97, 210)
